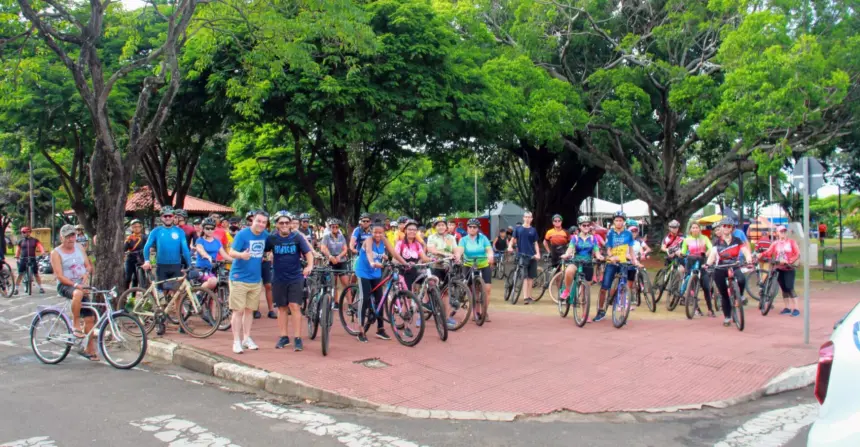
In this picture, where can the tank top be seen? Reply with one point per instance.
(74, 267)
(362, 264)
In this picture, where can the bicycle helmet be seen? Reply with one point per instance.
(134, 221)
(583, 219)
(305, 216)
(167, 210)
(25, 229)
(728, 221)
(411, 222)
(197, 221)
(632, 228)
(280, 214)
(440, 219)
(619, 214)
(208, 222)
(572, 229)
(181, 213)
(557, 216)
(250, 214)
(473, 222)
(674, 224)
(364, 216)
(334, 221)
(402, 220)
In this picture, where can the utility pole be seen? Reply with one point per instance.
(32, 201)
(839, 199)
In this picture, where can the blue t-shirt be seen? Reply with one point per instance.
(211, 248)
(362, 264)
(583, 248)
(526, 238)
(249, 271)
(476, 249)
(288, 252)
(619, 243)
(360, 235)
(170, 245)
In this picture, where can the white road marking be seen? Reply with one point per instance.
(40, 441)
(21, 317)
(180, 432)
(351, 435)
(773, 428)
(8, 343)
(16, 326)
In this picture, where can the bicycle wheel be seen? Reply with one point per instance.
(673, 286)
(326, 320)
(479, 302)
(581, 302)
(715, 296)
(438, 313)
(140, 304)
(7, 280)
(541, 283)
(692, 292)
(660, 283)
(519, 277)
(28, 281)
(563, 304)
(313, 316)
(50, 337)
(404, 315)
(646, 288)
(753, 285)
(348, 310)
(226, 314)
(459, 303)
(737, 306)
(509, 285)
(621, 306)
(122, 341)
(199, 318)
(768, 294)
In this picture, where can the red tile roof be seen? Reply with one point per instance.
(142, 200)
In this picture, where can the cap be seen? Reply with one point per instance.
(66, 231)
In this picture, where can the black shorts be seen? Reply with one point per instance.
(531, 268)
(67, 292)
(164, 272)
(283, 294)
(340, 266)
(22, 266)
(487, 274)
(266, 270)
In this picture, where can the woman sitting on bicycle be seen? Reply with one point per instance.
(72, 268)
(208, 249)
(785, 254)
(583, 248)
(728, 250)
(368, 269)
(475, 247)
(411, 250)
(696, 247)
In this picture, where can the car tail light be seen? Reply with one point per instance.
(825, 364)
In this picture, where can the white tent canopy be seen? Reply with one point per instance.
(598, 207)
(774, 210)
(637, 209)
(503, 215)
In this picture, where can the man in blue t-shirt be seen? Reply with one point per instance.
(619, 245)
(246, 279)
(171, 249)
(526, 242)
(360, 233)
(288, 247)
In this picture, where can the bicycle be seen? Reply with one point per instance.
(113, 329)
(668, 278)
(514, 283)
(579, 298)
(29, 273)
(460, 296)
(690, 288)
(222, 293)
(428, 290)
(544, 279)
(756, 275)
(7, 280)
(768, 289)
(400, 306)
(199, 311)
(619, 296)
(735, 296)
(320, 307)
(499, 266)
(470, 277)
(643, 286)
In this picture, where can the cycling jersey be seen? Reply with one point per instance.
(410, 252)
(28, 247)
(444, 244)
(638, 248)
(619, 243)
(729, 251)
(673, 240)
(784, 251)
(360, 235)
(363, 269)
(134, 246)
(475, 248)
(557, 237)
(211, 248)
(334, 243)
(308, 233)
(584, 248)
(170, 246)
(696, 246)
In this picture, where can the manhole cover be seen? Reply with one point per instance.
(372, 363)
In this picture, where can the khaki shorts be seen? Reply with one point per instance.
(245, 295)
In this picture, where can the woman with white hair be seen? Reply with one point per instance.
(72, 268)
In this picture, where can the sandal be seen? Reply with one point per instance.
(79, 333)
(88, 356)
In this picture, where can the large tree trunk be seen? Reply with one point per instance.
(111, 180)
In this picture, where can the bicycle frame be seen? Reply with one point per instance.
(102, 310)
(152, 290)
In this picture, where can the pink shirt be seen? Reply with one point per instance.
(410, 252)
(785, 251)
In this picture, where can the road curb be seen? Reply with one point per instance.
(226, 368)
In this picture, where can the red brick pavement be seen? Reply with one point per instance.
(537, 364)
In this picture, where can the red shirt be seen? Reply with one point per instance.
(822, 228)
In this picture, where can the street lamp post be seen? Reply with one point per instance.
(262, 162)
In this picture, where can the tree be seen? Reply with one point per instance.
(671, 86)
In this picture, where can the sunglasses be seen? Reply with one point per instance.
(556, 220)
(167, 216)
(585, 225)
(365, 221)
(284, 222)
(472, 226)
(208, 228)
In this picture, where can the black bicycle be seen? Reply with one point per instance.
(320, 309)
(769, 289)
(7, 280)
(514, 283)
(29, 273)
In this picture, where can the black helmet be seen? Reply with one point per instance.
(572, 229)
(557, 216)
(167, 210)
(620, 214)
(250, 214)
(305, 216)
(474, 222)
(402, 219)
(364, 216)
(208, 222)
(181, 213)
(197, 221)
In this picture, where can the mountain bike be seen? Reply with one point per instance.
(769, 288)
(735, 297)
(690, 288)
(321, 307)
(619, 296)
(499, 266)
(544, 281)
(121, 337)
(426, 289)
(514, 283)
(29, 273)
(458, 293)
(7, 280)
(222, 294)
(580, 296)
(669, 280)
(756, 275)
(643, 287)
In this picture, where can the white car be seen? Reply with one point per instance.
(837, 386)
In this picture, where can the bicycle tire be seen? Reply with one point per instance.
(582, 302)
(752, 277)
(660, 283)
(479, 302)
(223, 295)
(28, 281)
(65, 331)
(563, 305)
(326, 317)
(509, 285)
(768, 294)
(7, 280)
(438, 313)
(519, 278)
(673, 286)
(646, 287)
(189, 316)
(406, 307)
(350, 319)
(123, 320)
(138, 293)
(692, 301)
(313, 317)
(621, 306)
(716, 298)
(737, 307)
(541, 283)
(459, 303)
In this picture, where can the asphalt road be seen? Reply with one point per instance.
(81, 403)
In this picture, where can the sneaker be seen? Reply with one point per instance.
(283, 341)
(785, 311)
(565, 294)
(727, 322)
(41, 290)
(452, 323)
(257, 315)
(381, 334)
(599, 317)
(362, 338)
(795, 313)
(273, 315)
(249, 344)
(237, 347)
(298, 346)
(699, 313)
(528, 301)
(407, 332)
(335, 307)
(712, 314)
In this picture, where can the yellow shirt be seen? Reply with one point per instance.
(391, 235)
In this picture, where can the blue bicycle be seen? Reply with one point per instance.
(619, 296)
